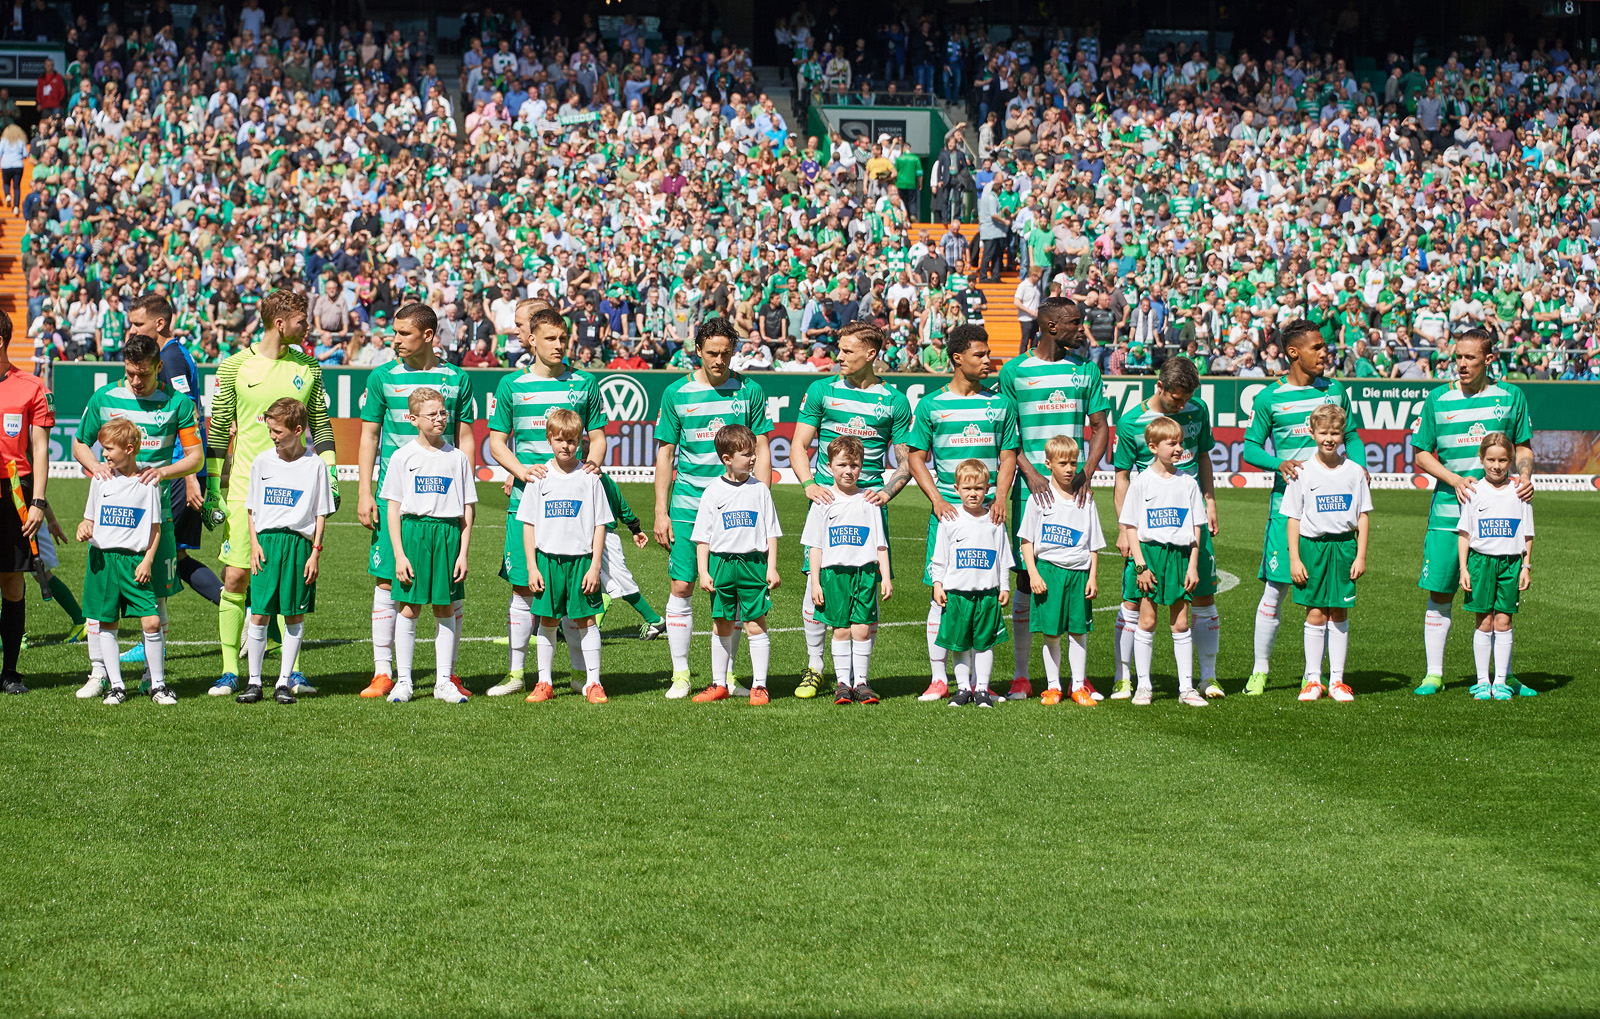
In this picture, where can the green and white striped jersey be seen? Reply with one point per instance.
(166, 420)
(1282, 413)
(1451, 427)
(951, 428)
(522, 401)
(1132, 453)
(879, 416)
(386, 402)
(691, 415)
(1052, 398)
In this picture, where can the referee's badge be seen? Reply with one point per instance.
(13, 425)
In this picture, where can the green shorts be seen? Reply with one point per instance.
(514, 561)
(109, 590)
(682, 565)
(740, 579)
(280, 589)
(1441, 562)
(1019, 502)
(1327, 560)
(1063, 608)
(1275, 550)
(432, 545)
(1208, 572)
(164, 571)
(1494, 582)
(563, 596)
(1169, 563)
(380, 551)
(971, 621)
(849, 595)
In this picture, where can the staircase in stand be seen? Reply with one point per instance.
(1000, 319)
(13, 281)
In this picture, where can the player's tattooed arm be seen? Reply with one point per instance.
(1524, 458)
(902, 471)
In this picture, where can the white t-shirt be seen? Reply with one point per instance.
(289, 494)
(122, 511)
(1327, 501)
(429, 482)
(1495, 521)
(1064, 533)
(970, 553)
(564, 509)
(735, 518)
(1165, 510)
(849, 530)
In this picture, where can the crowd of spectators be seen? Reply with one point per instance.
(1192, 202)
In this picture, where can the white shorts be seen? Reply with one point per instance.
(615, 578)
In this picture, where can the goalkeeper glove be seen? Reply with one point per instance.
(333, 481)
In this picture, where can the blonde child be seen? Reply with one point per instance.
(849, 569)
(287, 507)
(1060, 543)
(1327, 507)
(1495, 546)
(431, 499)
(122, 523)
(971, 557)
(1162, 515)
(736, 535)
(564, 516)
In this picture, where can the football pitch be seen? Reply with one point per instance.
(342, 857)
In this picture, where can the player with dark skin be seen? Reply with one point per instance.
(1061, 332)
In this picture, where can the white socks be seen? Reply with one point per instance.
(1502, 656)
(1338, 647)
(680, 627)
(405, 646)
(1316, 640)
(982, 668)
(111, 656)
(841, 661)
(1127, 626)
(445, 641)
(1267, 623)
(1435, 634)
(544, 651)
(519, 627)
(860, 659)
(1483, 653)
(760, 658)
(575, 648)
(937, 656)
(1078, 658)
(1052, 661)
(589, 641)
(961, 663)
(721, 657)
(1021, 638)
(155, 656)
(1207, 630)
(1183, 651)
(816, 631)
(255, 650)
(91, 640)
(458, 612)
(1144, 648)
(383, 627)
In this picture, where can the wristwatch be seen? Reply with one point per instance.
(1139, 568)
(41, 504)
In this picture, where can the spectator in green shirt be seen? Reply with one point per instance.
(908, 178)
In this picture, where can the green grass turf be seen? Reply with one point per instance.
(1397, 855)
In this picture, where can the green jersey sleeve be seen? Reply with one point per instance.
(1425, 437)
(811, 403)
(1097, 403)
(1122, 455)
(900, 422)
(372, 405)
(1353, 446)
(1519, 423)
(1255, 436)
(463, 410)
(593, 409)
(500, 415)
(756, 400)
(619, 506)
(1010, 435)
(93, 418)
(669, 430)
(921, 435)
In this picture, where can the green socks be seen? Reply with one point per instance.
(63, 597)
(231, 614)
(637, 600)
